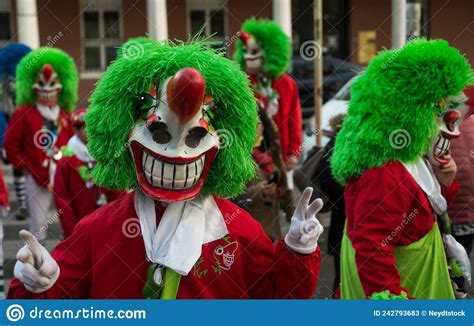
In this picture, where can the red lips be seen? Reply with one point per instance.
(185, 93)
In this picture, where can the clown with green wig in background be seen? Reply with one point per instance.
(46, 90)
(392, 155)
(264, 53)
(175, 123)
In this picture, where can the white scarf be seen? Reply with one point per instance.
(50, 113)
(424, 176)
(80, 149)
(184, 227)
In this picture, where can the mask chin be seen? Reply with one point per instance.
(171, 179)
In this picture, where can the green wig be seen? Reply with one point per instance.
(110, 116)
(29, 67)
(394, 106)
(274, 43)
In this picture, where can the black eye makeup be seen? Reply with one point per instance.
(194, 137)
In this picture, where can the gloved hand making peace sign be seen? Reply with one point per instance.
(305, 229)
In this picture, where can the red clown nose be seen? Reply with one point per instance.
(47, 71)
(185, 93)
(244, 37)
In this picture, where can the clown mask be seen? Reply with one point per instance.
(47, 86)
(253, 54)
(173, 148)
(448, 123)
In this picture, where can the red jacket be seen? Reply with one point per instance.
(3, 191)
(23, 141)
(377, 203)
(289, 116)
(462, 149)
(101, 260)
(72, 198)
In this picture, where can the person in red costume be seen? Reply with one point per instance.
(4, 207)
(264, 52)
(46, 87)
(156, 124)
(392, 156)
(75, 193)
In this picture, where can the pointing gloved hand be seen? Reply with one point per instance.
(35, 267)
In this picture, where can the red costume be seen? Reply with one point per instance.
(288, 118)
(74, 199)
(25, 142)
(386, 209)
(101, 260)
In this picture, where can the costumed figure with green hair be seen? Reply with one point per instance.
(392, 155)
(46, 89)
(264, 53)
(176, 124)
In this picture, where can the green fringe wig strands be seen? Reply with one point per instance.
(274, 42)
(393, 110)
(29, 67)
(140, 62)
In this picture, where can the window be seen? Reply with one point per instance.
(5, 22)
(208, 17)
(101, 33)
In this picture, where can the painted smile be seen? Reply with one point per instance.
(441, 148)
(172, 176)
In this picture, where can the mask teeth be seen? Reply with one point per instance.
(172, 176)
(442, 146)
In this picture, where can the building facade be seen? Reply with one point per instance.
(91, 30)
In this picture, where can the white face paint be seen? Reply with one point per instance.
(448, 123)
(172, 152)
(253, 56)
(47, 86)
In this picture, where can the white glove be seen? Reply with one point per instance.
(454, 250)
(35, 267)
(305, 229)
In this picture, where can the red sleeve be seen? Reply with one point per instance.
(278, 272)
(295, 121)
(13, 141)
(63, 197)
(3, 190)
(73, 257)
(449, 192)
(381, 201)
